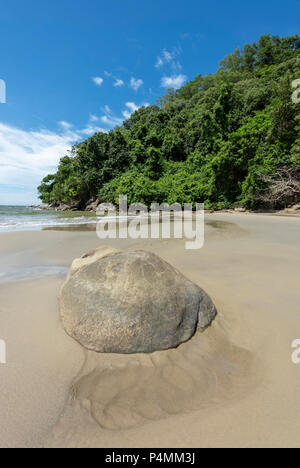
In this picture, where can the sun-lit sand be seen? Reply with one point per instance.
(233, 386)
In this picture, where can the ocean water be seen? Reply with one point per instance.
(22, 218)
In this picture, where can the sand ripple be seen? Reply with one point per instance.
(121, 392)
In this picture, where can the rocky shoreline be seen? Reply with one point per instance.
(76, 205)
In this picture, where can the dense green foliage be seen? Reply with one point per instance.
(209, 141)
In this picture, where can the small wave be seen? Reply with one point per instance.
(33, 273)
(38, 225)
(9, 225)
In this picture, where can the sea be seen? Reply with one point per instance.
(25, 218)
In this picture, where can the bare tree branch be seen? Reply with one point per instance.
(283, 187)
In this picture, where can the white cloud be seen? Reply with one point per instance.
(131, 108)
(169, 59)
(159, 62)
(168, 56)
(27, 157)
(165, 58)
(93, 118)
(126, 114)
(65, 125)
(111, 121)
(136, 83)
(175, 81)
(118, 83)
(91, 127)
(91, 130)
(98, 80)
(109, 118)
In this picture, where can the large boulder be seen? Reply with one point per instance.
(132, 302)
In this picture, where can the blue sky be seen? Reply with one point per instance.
(72, 67)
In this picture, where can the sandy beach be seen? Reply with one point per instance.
(233, 386)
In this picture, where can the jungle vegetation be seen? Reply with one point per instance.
(220, 139)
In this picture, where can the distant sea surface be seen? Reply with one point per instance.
(22, 218)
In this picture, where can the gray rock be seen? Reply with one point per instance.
(132, 302)
(92, 205)
(91, 257)
(43, 206)
(54, 204)
(75, 205)
(240, 209)
(63, 207)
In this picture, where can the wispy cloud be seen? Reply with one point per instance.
(93, 118)
(164, 58)
(91, 130)
(109, 118)
(118, 83)
(131, 108)
(169, 59)
(159, 62)
(175, 81)
(135, 83)
(98, 80)
(28, 156)
(65, 125)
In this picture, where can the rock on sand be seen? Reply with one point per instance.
(131, 302)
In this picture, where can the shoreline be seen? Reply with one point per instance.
(85, 226)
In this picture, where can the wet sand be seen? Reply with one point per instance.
(233, 386)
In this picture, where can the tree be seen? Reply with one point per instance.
(210, 140)
(282, 188)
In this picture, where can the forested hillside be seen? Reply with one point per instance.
(223, 139)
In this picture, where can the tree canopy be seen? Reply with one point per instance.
(215, 140)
